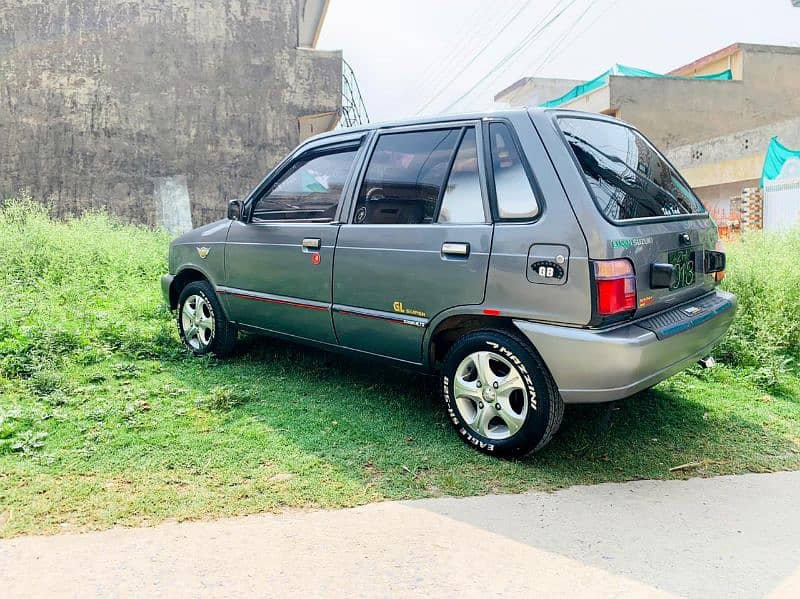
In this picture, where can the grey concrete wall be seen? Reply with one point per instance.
(100, 99)
(736, 145)
(675, 112)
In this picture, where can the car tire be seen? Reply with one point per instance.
(202, 324)
(499, 394)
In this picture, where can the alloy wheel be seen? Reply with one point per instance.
(490, 395)
(197, 322)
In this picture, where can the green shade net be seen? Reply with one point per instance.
(623, 71)
(777, 156)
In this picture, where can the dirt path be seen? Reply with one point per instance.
(721, 537)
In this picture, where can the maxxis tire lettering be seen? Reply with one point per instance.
(520, 366)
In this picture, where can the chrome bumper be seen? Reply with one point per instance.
(591, 366)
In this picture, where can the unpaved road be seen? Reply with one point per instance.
(721, 537)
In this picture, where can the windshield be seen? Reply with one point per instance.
(628, 177)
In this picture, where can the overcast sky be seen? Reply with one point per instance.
(424, 55)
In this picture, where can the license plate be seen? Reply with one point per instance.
(684, 263)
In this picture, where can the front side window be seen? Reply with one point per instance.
(309, 191)
(627, 176)
(405, 177)
(515, 197)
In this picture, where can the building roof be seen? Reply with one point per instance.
(311, 17)
(733, 49)
(708, 58)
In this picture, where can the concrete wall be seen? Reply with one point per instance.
(673, 112)
(732, 158)
(100, 100)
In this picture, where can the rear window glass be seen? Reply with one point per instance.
(628, 177)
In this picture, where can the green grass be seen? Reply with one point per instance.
(104, 420)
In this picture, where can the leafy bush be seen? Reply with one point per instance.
(82, 289)
(764, 272)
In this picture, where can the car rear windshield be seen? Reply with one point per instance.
(627, 175)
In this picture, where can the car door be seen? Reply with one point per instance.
(279, 258)
(417, 241)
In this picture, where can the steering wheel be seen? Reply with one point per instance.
(375, 193)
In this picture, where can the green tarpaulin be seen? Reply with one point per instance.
(623, 71)
(777, 156)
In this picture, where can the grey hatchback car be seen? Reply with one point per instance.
(530, 258)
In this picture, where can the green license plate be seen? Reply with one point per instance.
(683, 261)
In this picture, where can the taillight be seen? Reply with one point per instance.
(616, 286)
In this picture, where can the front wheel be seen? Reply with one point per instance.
(203, 327)
(499, 395)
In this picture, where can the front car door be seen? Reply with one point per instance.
(279, 258)
(417, 241)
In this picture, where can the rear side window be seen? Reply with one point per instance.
(463, 200)
(422, 177)
(627, 176)
(515, 197)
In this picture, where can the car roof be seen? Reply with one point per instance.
(448, 118)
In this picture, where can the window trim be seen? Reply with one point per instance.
(304, 152)
(631, 221)
(369, 151)
(532, 181)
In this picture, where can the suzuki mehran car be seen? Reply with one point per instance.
(529, 258)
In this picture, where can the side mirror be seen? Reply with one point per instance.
(235, 209)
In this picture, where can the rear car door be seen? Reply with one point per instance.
(279, 259)
(417, 241)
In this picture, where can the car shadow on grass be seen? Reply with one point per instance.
(392, 432)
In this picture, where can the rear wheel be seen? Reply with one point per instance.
(499, 395)
(203, 327)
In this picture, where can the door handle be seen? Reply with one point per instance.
(312, 243)
(460, 250)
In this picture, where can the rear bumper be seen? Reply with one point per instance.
(166, 283)
(591, 366)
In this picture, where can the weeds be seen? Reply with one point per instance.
(95, 389)
(765, 337)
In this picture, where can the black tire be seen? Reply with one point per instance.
(545, 408)
(222, 339)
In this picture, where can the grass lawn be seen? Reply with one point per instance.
(105, 421)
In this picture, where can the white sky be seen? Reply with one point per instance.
(405, 53)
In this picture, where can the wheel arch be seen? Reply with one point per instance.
(186, 275)
(448, 329)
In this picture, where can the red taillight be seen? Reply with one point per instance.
(616, 286)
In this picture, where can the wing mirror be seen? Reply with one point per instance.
(235, 209)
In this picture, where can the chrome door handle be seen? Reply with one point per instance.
(455, 249)
(310, 243)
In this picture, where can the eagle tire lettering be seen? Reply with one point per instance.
(451, 413)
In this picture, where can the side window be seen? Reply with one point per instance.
(309, 191)
(515, 197)
(463, 201)
(405, 177)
